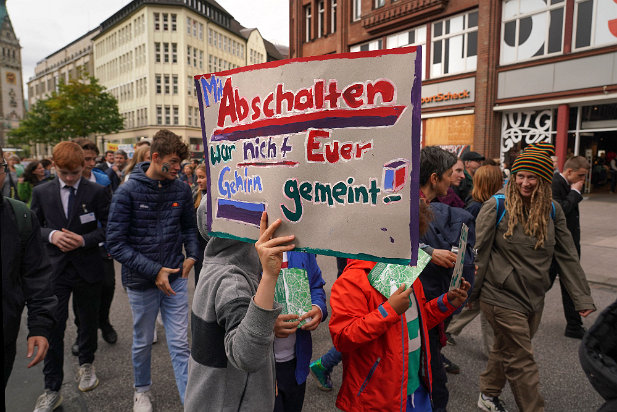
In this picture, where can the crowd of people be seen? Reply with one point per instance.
(148, 213)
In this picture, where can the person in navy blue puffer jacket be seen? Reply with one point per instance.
(150, 218)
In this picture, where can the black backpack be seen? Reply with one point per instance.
(23, 219)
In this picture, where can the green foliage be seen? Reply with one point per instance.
(79, 108)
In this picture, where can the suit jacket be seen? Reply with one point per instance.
(568, 199)
(102, 166)
(90, 198)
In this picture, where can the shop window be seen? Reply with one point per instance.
(356, 10)
(520, 129)
(455, 45)
(531, 29)
(595, 23)
(413, 37)
(371, 45)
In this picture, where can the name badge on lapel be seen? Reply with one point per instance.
(87, 218)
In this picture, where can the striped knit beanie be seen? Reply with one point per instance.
(536, 158)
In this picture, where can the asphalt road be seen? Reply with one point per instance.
(563, 383)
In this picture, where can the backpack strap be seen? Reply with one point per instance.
(23, 218)
(500, 207)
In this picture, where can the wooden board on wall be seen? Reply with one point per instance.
(449, 130)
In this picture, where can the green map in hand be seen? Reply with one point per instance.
(387, 278)
(293, 292)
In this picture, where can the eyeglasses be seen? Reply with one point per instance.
(4, 167)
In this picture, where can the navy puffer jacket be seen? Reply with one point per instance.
(149, 220)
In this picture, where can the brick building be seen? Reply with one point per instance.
(498, 74)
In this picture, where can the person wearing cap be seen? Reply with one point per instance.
(471, 161)
(516, 244)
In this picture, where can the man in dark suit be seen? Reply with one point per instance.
(116, 171)
(107, 162)
(72, 212)
(567, 187)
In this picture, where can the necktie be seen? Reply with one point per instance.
(71, 204)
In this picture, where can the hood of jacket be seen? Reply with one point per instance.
(233, 252)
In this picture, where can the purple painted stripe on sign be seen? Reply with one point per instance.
(243, 212)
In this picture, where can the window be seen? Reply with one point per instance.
(210, 36)
(372, 45)
(188, 55)
(159, 114)
(210, 68)
(166, 52)
(201, 31)
(414, 37)
(166, 83)
(320, 18)
(165, 24)
(157, 24)
(531, 29)
(157, 52)
(307, 23)
(167, 115)
(173, 22)
(455, 44)
(356, 10)
(188, 25)
(176, 115)
(190, 116)
(194, 28)
(380, 3)
(174, 81)
(201, 59)
(194, 57)
(592, 23)
(189, 85)
(174, 52)
(332, 16)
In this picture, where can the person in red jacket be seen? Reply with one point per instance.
(384, 342)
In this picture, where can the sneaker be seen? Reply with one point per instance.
(450, 366)
(142, 402)
(48, 401)
(87, 377)
(323, 377)
(155, 338)
(109, 334)
(491, 404)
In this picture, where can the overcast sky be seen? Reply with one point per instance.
(44, 26)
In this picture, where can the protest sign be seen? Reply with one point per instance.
(457, 273)
(329, 144)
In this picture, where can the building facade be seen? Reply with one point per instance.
(498, 74)
(11, 84)
(146, 55)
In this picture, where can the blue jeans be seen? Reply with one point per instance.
(145, 305)
(331, 359)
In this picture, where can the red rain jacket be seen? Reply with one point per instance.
(373, 340)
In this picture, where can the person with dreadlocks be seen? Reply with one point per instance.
(518, 231)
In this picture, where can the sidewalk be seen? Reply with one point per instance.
(599, 238)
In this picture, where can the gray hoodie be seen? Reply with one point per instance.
(231, 367)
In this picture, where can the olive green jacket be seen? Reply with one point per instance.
(513, 275)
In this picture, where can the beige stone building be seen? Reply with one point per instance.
(146, 55)
(65, 64)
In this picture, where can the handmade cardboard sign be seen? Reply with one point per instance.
(457, 273)
(329, 144)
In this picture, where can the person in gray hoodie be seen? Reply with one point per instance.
(232, 367)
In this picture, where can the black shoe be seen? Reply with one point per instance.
(109, 334)
(451, 367)
(75, 349)
(577, 333)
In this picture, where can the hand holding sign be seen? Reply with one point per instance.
(457, 296)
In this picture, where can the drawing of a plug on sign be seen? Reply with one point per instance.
(395, 174)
